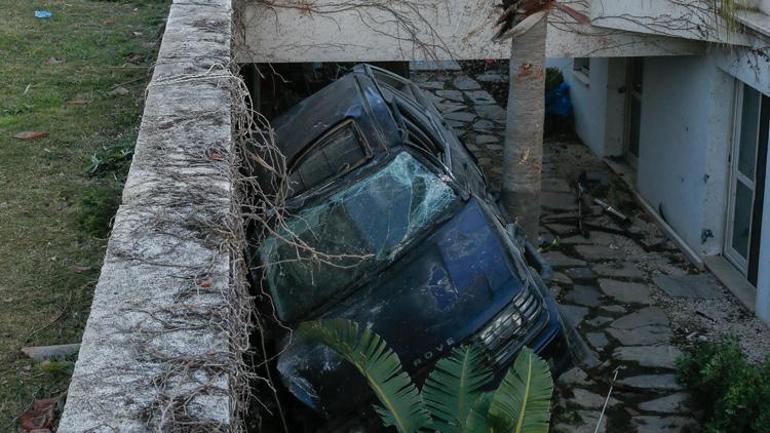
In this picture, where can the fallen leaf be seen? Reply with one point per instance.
(30, 135)
(81, 269)
(119, 91)
(54, 61)
(79, 100)
(138, 33)
(135, 58)
(108, 22)
(39, 416)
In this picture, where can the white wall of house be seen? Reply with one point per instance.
(684, 143)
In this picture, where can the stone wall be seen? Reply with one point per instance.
(158, 353)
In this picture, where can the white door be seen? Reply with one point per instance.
(748, 162)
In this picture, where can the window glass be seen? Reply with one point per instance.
(394, 83)
(354, 231)
(747, 152)
(333, 155)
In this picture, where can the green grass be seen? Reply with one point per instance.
(54, 206)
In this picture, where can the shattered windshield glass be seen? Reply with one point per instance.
(353, 231)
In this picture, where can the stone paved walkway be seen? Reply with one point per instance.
(604, 283)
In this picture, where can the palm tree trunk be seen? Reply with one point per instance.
(523, 149)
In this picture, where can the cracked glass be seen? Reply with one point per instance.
(355, 230)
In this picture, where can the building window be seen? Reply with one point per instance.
(581, 68)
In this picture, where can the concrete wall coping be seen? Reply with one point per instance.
(157, 354)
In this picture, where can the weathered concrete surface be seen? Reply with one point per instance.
(166, 285)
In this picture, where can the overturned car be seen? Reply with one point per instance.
(405, 239)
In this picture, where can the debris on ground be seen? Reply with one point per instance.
(119, 91)
(30, 135)
(43, 14)
(40, 416)
(44, 353)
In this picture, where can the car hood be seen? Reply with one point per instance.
(436, 296)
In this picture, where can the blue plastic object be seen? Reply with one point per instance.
(42, 14)
(557, 102)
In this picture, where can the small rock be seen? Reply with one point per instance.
(674, 403)
(466, 83)
(629, 293)
(652, 382)
(118, 91)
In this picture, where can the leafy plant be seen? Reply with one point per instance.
(734, 393)
(96, 208)
(453, 399)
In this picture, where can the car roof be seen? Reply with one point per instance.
(354, 96)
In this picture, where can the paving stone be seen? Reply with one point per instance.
(491, 112)
(466, 83)
(698, 286)
(558, 200)
(586, 296)
(456, 125)
(450, 107)
(598, 252)
(652, 382)
(561, 229)
(432, 85)
(649, 356)
(650, 316)
(576, 240)
(580, 273)
(480, 97)
(642, 336)
(495, 147)
(573, 314)
(460, 116)
(614, 308)
(590, 400)
(574, 377)
(669, 424)
(599, 321)
(674, 403)
(491, 77)
(626, 292)
(484, 125)
(598, 340)
(487, 139)
(560, 278)
(556, 185)
(587, 423)
(452, 95)
(558, 259)
(618, 270)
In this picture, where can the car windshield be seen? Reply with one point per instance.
(353, 232)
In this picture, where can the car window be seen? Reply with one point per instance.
(354, 231)
(331, 156)
(394, 83)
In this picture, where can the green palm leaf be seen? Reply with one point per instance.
(478, 418)
(453, 387)
(402, 405)
(522, 403)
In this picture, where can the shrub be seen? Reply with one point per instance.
(734, 393)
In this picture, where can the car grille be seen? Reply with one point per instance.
(513, 327)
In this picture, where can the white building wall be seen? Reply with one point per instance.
(684, 143)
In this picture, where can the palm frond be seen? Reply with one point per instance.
(523, 26)
(478, 418)
(453, 387)
(402, 405)
(522, 403)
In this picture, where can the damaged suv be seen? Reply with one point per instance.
(405, 240)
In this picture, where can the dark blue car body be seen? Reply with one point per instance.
(467, 278)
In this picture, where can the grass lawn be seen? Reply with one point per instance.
(59, 192)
